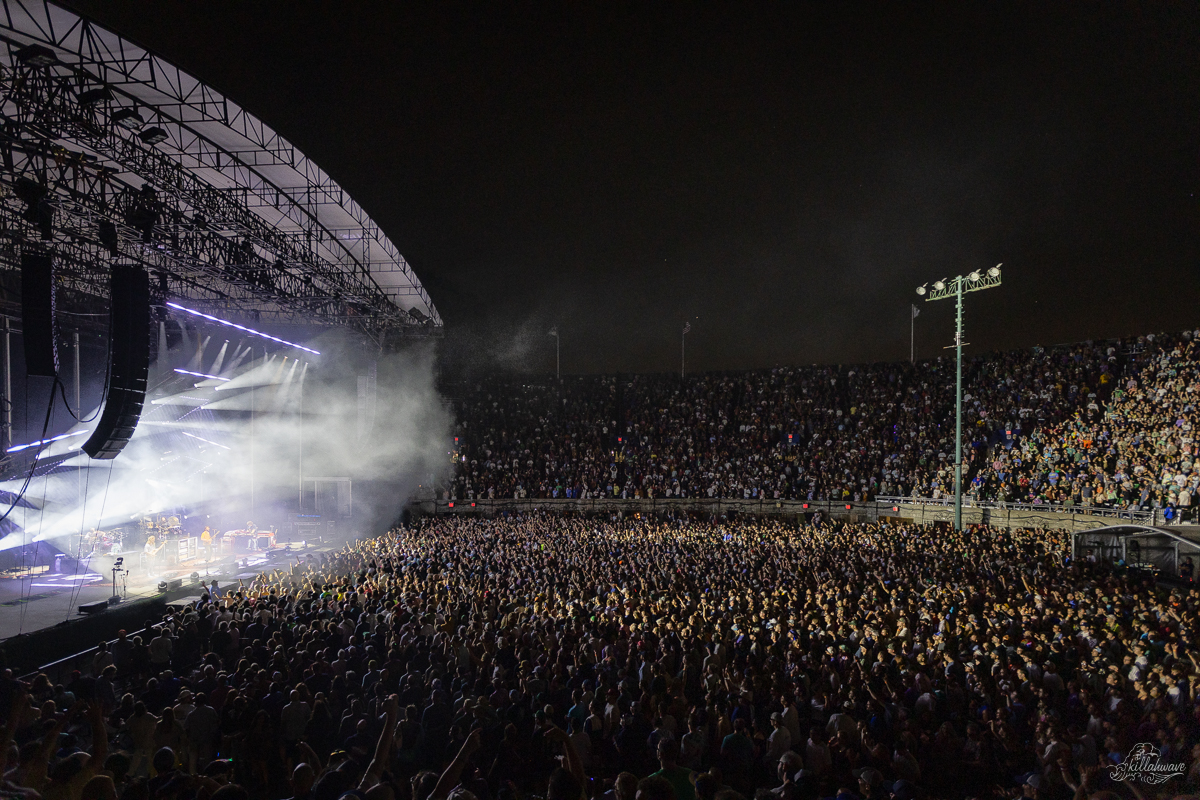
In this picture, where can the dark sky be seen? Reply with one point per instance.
(783, 175)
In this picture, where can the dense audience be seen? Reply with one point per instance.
(1039, 426)
(1134, 452)
(635, 660)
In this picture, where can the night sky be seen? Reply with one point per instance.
(781, 175)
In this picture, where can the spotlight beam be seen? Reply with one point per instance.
(243, 328)
(206, 441)
(200, 374)
(44, 441)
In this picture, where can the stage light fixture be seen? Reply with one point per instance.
(44, 441)
(242, 328)
(95, 95)
(939, 285)
(200, 375)
(994, 272)
(143, 214)
(128, 118)
(36, 55)
(974, 276)
(153, 135)
(109, 236)
(921, 290)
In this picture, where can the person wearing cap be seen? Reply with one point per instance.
(788, 766)
(1031, 788)
(870, 783)
(780, 740)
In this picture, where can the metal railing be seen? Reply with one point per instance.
(1151, 517)
(930, 509)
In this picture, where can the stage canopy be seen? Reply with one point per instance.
(112, 153)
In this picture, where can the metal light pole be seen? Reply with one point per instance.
(955, 287)
(687, 326)
(912, 335)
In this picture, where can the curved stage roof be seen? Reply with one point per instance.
(234, 219)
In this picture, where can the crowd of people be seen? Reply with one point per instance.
(1134, 452)
(1081, 424)
(571, 658)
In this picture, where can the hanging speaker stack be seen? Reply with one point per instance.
(38, 321)
(129, 362)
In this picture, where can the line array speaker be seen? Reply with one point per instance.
(39, 325)
(129, 363)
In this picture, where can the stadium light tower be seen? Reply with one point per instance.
(955, 287)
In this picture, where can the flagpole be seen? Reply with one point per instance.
(557, 353)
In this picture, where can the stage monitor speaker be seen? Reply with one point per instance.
(39, 326)
(93, 608)
(176, 583)
(129, 363)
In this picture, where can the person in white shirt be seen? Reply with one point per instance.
(816, 752)
(779, 742)
(791, 717)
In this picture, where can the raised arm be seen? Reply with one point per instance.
(20, 699)
(99, 738)
(574, 763)
(383, 747)
(453, 772)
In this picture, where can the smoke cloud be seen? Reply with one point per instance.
(233, 447)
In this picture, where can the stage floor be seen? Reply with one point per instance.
(29, 604)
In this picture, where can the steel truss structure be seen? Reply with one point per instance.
(109, 152)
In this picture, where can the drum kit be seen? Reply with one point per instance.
(162, 527)
(109, 542)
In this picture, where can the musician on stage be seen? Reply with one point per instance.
(150, 552)
(206, 542)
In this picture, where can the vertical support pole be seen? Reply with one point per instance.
(557, 356)
(682, 353)
(252, 439)
(78, 410)
(912, 335)
(8, 405)
(958, 339)
(300, 453)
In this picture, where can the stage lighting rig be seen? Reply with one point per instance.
(128, 118)
(37, 206)
(109, 236)
(36, 55)
(90, 98)
(153, 135)
(143, 214)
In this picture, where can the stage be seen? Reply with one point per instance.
(48, 596)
